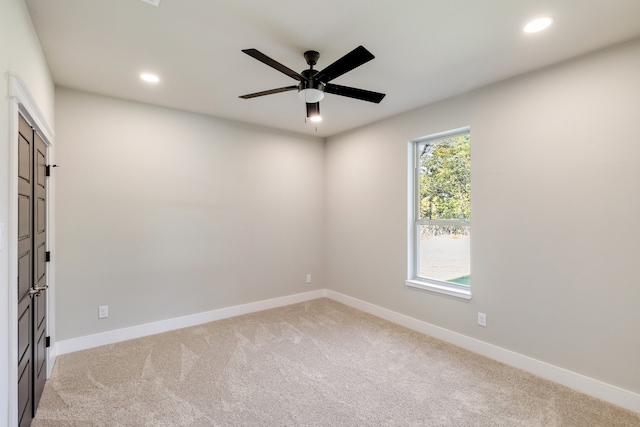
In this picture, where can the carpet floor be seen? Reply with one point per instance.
(318, 363)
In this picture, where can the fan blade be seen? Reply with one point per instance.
(352, 92)
(351, 60)
(269, 92)
(272, 63)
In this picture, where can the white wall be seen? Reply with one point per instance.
(555, 185)
(20, 54)
(162, 213)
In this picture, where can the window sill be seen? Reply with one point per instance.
(441, 289)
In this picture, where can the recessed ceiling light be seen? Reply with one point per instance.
(151, 78)
(537, 25)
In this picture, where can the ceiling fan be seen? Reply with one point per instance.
(313, 84)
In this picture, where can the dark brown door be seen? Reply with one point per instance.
(32, 279)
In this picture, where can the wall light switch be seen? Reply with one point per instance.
(308, 278)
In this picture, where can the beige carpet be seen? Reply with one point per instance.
(318, 363)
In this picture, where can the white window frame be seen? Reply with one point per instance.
(414, 222)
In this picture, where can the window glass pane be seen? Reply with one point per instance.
(444, 253)
(444, 179)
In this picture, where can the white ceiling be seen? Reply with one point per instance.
(425, 50)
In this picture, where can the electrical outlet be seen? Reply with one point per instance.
(308, 278)
(103, 311)
(482, 319)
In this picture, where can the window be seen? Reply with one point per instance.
(440, 217)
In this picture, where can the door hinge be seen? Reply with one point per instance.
(47, 342)
(47, 256)
(48, 169)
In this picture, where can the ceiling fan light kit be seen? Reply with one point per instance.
(313, 84)
(311, 95)
(313, 112)
(310, 90)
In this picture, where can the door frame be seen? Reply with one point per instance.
(21, 101)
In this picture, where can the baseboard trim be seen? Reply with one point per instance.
(607, 392)
(110, 337)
